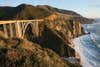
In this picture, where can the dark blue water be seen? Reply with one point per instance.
(88, 46)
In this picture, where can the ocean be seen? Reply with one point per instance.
(88, 46)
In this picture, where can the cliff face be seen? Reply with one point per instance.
(58, 34)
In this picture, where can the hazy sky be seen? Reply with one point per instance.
(87, 8)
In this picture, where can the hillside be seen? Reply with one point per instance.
(22, 11)
(15, 52)
(25, 11)
(53, 9)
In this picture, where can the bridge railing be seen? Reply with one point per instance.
(15, 21)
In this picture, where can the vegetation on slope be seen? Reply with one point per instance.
(22, 11)
(16, 52)
(25, 11)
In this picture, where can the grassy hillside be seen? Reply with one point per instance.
(25, 11)
(16, 52)
(22, 11)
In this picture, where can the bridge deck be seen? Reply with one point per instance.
(15, 21)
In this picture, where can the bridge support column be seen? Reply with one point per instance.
(18, 30)
(5, 30)
(11, 30)
(22, 29)
(36, 28)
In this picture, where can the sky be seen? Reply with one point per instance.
(87, 8)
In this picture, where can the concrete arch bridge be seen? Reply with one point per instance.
(18, 28)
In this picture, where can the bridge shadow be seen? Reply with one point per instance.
(30, 35)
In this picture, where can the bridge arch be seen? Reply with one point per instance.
(20, 26)
(31, 31)
(30, 24)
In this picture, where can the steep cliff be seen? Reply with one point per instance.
(57, 34)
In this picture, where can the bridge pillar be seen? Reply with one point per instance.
(36, 28)
(18, 30)
(11, 30)
(5, 30)
(22, 29)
